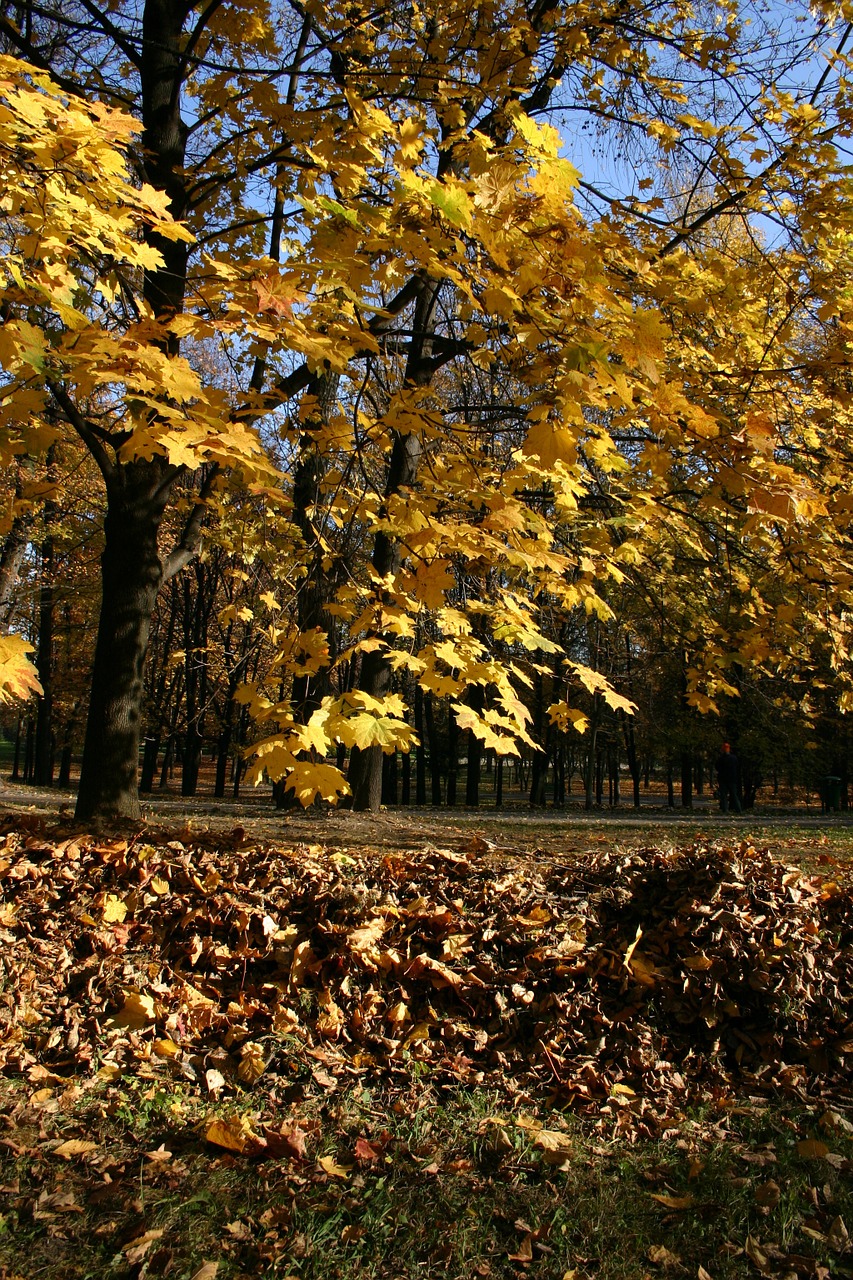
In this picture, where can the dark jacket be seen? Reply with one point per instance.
(727, 767)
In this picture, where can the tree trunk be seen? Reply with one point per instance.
(191, 762)
(149, 764)
(686, 780)
(406, 779)
(452, 758)
(631, 753)
(43, 750)
(365, 770)
(434, 751)
(420, 750)
(131, 573)
(16, 763)
(389, 778)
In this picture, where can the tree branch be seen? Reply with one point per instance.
(190, 542)
(84, 429)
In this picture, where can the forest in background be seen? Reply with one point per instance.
(352, 432)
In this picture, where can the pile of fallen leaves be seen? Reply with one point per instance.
(629, 984)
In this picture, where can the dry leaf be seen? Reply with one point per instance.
(330, 1165)
(75, 1147)
(159, 1155)
(253, 1062)
(663, 1257)
(287, 1140)
(166, 1048)
(206, 1271)
(673, 1202)
(757, 1255)
(138, 1011)
(235, 1134)
(365, 1150)
(767, 1194)
(525, 1251)
(113, 909)
(837, 1235)
(812, 1149)
(136, 1250)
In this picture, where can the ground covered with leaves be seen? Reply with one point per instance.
(227, 1058)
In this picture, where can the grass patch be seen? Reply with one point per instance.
(446, 1183)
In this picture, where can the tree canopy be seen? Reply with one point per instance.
(324, 296)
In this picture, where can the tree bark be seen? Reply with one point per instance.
(365, 770)
(131, 573)
(43, 750)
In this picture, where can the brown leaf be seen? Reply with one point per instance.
(136, 1250)
(837, 1235)
(812, 1149)
(525, 1251)
(74, 1147)
(756, 1254)
(365, 1150)
(767, 1194)
(673, 1202)
(663, 1257)
(286, 1140)
(206, 1271)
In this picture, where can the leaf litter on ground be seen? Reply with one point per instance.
(626, 987)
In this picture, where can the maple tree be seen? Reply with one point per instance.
(510, 402)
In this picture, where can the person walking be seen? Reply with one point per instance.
(728, 779)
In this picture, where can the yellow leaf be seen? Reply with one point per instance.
(253, 1062)
(235, 1134)
(330, 1166)
(166, 1048)
(75, 1147)
(556, 1148)
(18, 678)
(137, 1011)
(307, 780)
(113, 909)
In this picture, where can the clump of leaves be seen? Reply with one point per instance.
(625, 985)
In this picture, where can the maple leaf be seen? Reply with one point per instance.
(307, 781)
(18, 677)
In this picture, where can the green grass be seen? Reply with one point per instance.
(443, 1197)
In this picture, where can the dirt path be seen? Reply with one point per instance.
(552, 833)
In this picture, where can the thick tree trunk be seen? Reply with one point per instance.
(389, 778)
(191, 762)
(131, 573)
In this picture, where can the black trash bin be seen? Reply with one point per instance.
(830, 794)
